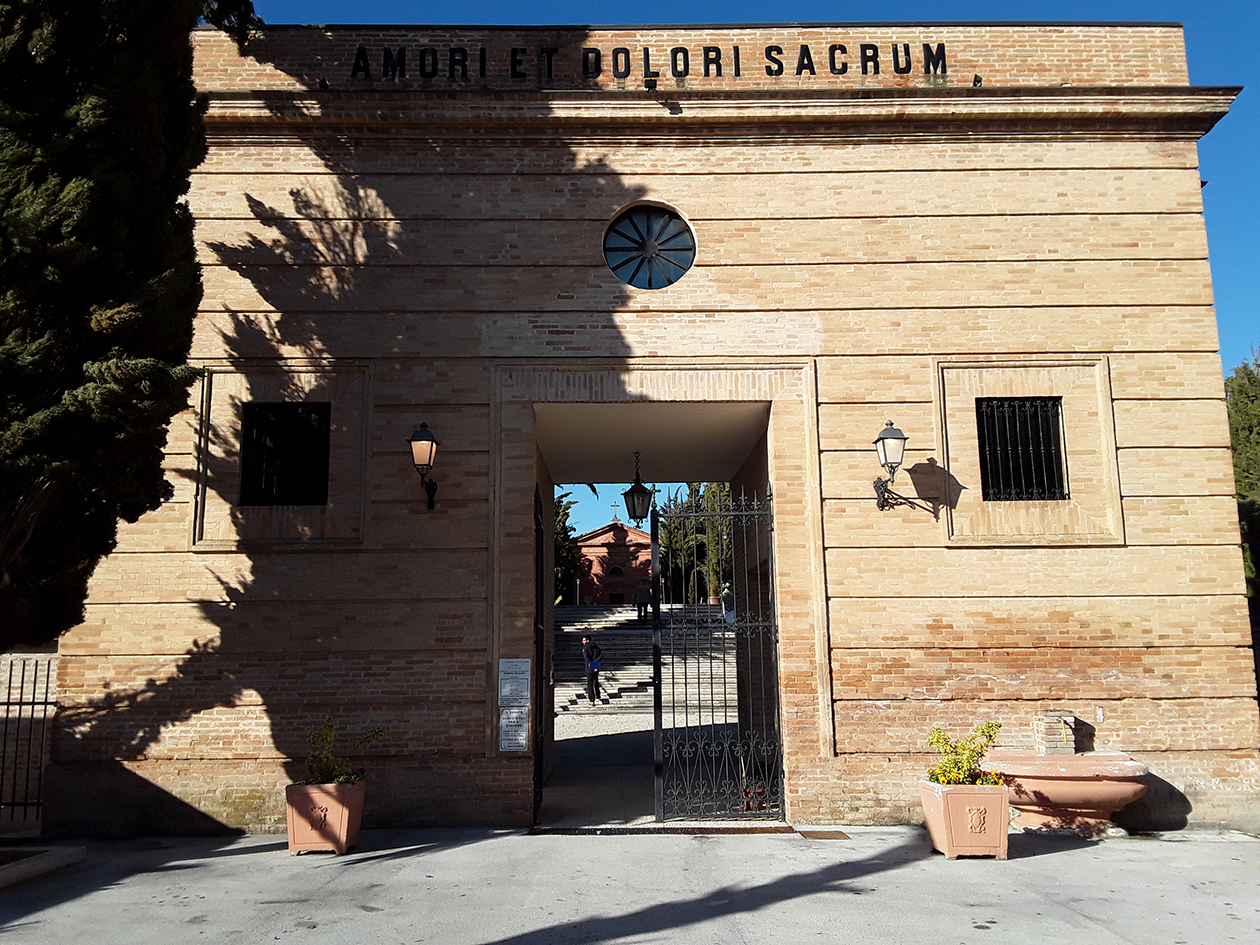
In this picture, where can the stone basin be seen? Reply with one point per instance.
(1068, 792)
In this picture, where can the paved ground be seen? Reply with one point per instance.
(884, 885)
(603, 772)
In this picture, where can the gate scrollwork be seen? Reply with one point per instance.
(715, 644)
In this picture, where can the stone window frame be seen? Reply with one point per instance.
(1093, 514)
(219, 522)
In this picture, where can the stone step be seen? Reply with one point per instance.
(631, 658)
(621, 695)
(573, 671)
(571, 619)
(626, 676)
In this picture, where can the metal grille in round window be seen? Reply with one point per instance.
(649, 247)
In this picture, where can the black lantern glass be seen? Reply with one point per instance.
(891, 447)
(423, 451)
(638, 497)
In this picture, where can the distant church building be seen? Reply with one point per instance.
(743, 253)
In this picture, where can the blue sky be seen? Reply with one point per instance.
(1222, 39)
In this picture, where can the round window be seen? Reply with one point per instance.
(649, 247)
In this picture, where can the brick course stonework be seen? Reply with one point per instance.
(998, 211)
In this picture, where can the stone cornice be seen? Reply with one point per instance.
(1187, 112)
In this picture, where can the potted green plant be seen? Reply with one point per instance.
(965, 807)
(324, 811)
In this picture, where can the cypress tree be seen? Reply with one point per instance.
(1242, 397)
(100, 127)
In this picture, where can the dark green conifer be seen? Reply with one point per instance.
(99, 283)
(1242, 396)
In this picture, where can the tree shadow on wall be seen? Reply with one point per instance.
(373, 252)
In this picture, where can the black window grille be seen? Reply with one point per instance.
(284, 453)
(1021, 448)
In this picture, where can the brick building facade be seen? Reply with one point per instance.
(613, 559)
(890, 223)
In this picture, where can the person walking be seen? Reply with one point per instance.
(641, 597)
(593, 656)
(728, 604)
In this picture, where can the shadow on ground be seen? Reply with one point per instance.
(651, 921)
(610, 750)
(600, 780)
(111, 863)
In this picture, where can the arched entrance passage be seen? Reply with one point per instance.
(752, 427)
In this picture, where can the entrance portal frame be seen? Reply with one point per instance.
(792, 469)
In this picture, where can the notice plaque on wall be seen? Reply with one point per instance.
(514, 682)
(514, 729)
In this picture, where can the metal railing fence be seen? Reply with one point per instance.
(29, 702)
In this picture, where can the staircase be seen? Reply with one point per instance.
(625, 681)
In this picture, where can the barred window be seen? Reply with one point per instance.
(1021, 448)
(284, 453)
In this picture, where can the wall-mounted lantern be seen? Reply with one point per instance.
(638, 497)
(890, 446)
(423, 452)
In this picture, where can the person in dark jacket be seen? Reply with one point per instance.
(593, 656)
(641, 597)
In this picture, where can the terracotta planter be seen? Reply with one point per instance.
(1076, 792)
(755, 799)
(324, 816)
(966, 819)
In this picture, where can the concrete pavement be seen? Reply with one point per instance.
(882, 886)
(476, 887)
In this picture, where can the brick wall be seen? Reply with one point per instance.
(770, 57)
(841, 264)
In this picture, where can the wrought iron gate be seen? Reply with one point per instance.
(29, 704)
(715, 658)
(541, 672)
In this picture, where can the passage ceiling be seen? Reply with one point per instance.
(679, 442)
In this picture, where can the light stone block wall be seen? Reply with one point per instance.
(438, 258)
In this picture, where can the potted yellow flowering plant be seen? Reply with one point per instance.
(324, 811)
(965, 807)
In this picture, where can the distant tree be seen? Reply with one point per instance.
(567, 565)
(1242, 397)
(696, 552)
(100, 127)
